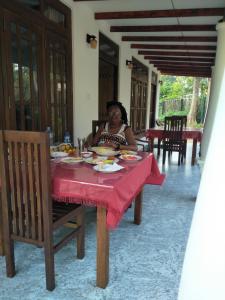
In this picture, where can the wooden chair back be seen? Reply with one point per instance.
(29, 214)
(172, 141)
(173, 128)
(25, 169)
(95, 126)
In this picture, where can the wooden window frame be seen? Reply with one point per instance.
(37, 17)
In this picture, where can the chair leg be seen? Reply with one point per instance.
(164, 156)
(8, 247)
(9, 258)
(49, 265)
(179, 158)
(2, 252)
(81, 236)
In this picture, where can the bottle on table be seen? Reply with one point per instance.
(50, 134)
(67, 139)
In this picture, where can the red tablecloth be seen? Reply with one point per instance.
(188, 133)
(115, 191)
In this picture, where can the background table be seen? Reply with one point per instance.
(188, 133)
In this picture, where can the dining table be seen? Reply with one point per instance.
(112, 194)
(195, 134)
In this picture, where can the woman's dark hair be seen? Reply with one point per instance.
(121, 107)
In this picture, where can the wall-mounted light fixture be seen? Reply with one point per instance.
(129, 64)
(92, 40)
(160, 82)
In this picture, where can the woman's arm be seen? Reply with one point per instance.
(98, 134)
(130, 140)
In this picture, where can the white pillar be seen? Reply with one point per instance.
(203, 275)
(217, 73)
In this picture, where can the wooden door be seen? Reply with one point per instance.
(139, 94)
(152, 106)
(22, 89)
(2, 114)
(108, 73)
(107, 86)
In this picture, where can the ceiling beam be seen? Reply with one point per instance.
(171, 13)
(177, 53)
(170, 58)
(183, 65)
(163, 28)
(185, 73)
(179, 63)
(169, 38)
(173, 47)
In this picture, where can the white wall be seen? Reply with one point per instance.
(204, 265)
(215, 89)
(85, 68)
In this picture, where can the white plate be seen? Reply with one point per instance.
(72, 160)
(95, 161)
(108, 168)
(126, 158)
(58, 154)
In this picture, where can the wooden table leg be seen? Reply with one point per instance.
(102, 249)
(138, 208)
(1, 231)
(151, 144)
(194, 148)
(159, 144)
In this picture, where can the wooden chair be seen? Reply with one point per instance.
(172, 141)
(95, 126)
(29, 214)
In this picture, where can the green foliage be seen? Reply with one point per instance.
(177, 87)
(171, 113)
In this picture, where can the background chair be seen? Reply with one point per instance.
(172, 141)
(95, 126)
(29, 214)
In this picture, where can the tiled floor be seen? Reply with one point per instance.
(145, 260)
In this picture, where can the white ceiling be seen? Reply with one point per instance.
(141, 5)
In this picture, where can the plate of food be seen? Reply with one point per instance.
(128, 152)
(105, 151)
(72, 160)
(97, 160)
(130, 158)
(58, 154)
(108, 168)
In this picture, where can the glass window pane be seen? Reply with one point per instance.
(28, 116)
(36, 118)
(35, 76)
(34, 4)
(13, 27)
(26, 70)
(54, 15)
(15, 67)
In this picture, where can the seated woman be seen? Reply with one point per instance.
(115, 133)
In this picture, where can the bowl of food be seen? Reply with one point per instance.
(58, 154)
(105, 151)
(130, 158)
(86, 154)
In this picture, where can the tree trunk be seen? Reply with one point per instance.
(191, 119)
